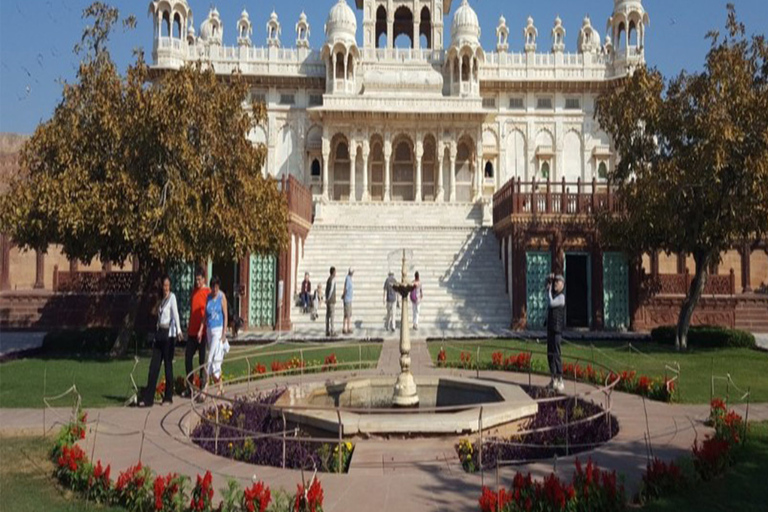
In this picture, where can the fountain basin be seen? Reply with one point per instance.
(501, 402)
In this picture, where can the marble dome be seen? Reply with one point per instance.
(341, 23)
(465, 27)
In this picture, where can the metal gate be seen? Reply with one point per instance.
(616, 290)
(538, 266)
(262, 291)
(182, 285)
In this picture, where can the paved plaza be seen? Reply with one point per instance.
(405, 475)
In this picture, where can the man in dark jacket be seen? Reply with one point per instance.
(555, 326)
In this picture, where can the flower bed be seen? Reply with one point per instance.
(139, 489)
(571, 434)
(661, 388)
(250, 415)
(591, 490)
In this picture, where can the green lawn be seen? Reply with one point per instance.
(747, 368)
(26, 484)
(104, 382)
(742, 488)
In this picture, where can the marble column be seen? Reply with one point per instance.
(366, 153)
(478, 171)
(352, 171)
(419, 155)
(416, 21)
(440, 195)
(326, 159)
(452, 172)
(387, 170)
(390, 30)
(5, 263)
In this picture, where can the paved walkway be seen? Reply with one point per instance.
(403, 475)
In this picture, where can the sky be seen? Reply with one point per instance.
(37, 36)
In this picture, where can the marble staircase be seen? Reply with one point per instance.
(455, 254)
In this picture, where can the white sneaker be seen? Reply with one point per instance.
(559, 384)
(552, 383)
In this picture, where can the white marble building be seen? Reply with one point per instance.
(442, 121)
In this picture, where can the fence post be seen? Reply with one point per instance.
(477, 362)
(45, 392)
(247, 362)
(480, 454)
(746, 416)
(530, 366)
(282, 412)
(341, 432)
(360, 357)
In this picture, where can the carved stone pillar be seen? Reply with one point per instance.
(416, 21)
(39, 269)
(681, 263)
(440, 195)
(366, 153)
(352, 171)
(452, 172)
(387, 170)
(390, 28)
(5, 262)
(419, 155)
(746, 285)
(478, 177)
(326, 160)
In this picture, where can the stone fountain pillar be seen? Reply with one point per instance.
(405, 387)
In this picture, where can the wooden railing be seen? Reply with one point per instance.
(679, 284)
(298, 196)
(92, 282)
(561, 198)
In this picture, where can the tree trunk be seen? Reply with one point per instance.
(691, 300)
(138, 294)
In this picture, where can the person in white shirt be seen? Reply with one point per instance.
(167, 331)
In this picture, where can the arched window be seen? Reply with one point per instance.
(545, 170)
(316, 171)
(465, 68)
(488, 171)
(166, 24)
(632, 34)
(350, 68)
(340, 65)
(381, 27)
(602, 171)
(177, 26)
(403, 26)
(341, 169)
(620, 36)
(425, 29)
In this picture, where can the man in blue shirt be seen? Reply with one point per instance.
(347, 296)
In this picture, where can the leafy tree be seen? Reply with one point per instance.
(693, 169)
(154, 165)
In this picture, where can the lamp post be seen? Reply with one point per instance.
(405, 388)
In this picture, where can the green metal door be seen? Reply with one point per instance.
(183, 284)
(262, 291)
(537, 268)
(616, 290)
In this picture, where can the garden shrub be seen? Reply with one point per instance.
(706, 336)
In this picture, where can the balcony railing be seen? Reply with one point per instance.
(559, 198)
(679, 284)
(92, 282)
(298, 196)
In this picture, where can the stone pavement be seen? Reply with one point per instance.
(404, 475)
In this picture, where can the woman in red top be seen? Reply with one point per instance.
(196, 343)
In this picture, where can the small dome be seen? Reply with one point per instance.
(244, 14)
(587, 22)
(302, 16)
(465, 27)
(273, 16)
(502, 20)
(341, 22)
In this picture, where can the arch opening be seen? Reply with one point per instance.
(403, 26)
(381, 27)
(425, 29)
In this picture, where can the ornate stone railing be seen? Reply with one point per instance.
(92, 282)
(560, 198)
(679, 284)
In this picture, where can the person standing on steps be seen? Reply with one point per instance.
(555, 326)
(416, 296)
(330, 302)
(196, 317)
(347, 295)
(306, 293)
(168, 329)
(390, 299)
